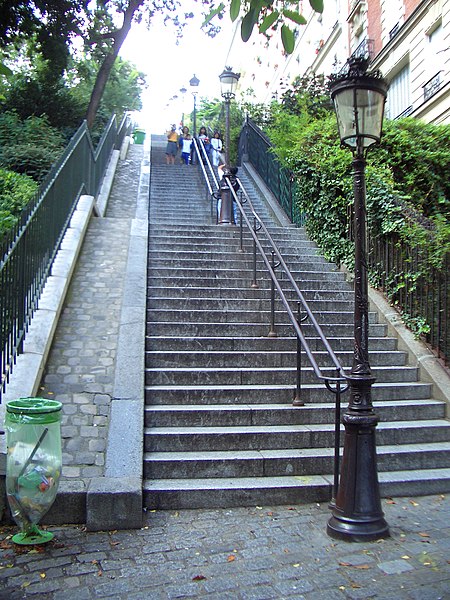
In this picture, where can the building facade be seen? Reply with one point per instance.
(407, 40)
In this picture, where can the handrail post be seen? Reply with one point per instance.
(297, 401)
(241, 228)
(254, 283)
(272, 332)
(337, 441)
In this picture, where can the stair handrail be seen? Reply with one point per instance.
(307, 310)
(340, 377)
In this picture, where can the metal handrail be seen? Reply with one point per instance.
(340, 381)
(274, 248)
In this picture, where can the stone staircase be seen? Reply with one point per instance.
(220, 428)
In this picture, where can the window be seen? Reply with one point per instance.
(399, 97)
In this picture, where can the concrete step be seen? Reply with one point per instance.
(174, 328)
(312, 435)
(259, 344)
(260, 358)
(229, 275)
(238, 280)
(251, 305)
(270, 491)
(282, 414)
(242, 313)
(273, 394)
(232, 375)
(163, 293)
(275, 463)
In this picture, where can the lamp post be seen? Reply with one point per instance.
(183, 91)
(194, 83)
(228, 85)
(359, 98)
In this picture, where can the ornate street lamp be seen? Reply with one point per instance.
(359, 98)
(183, 90)
(194, 83)
(228, 85)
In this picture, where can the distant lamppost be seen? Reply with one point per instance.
(359, 98)
(183, 90)
(194, 83)
(228, 85)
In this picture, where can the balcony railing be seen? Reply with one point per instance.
(364, 50)
(432, 86)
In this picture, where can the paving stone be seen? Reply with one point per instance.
(162, 559)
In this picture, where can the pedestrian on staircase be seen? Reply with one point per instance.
(230, 173)
(172, 145)
(186, 145)
(216, 149)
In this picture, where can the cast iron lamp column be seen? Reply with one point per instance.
(183, 91)
(194, 83)
(228, 84)
(359, 99)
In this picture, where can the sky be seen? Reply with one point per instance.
(169, 67)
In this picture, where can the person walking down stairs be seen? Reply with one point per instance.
(172, 146)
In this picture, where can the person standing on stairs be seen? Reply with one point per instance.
(216, 149)
(172, 146)
(186, 145)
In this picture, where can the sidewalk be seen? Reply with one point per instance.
(95, 366)
(253, 553)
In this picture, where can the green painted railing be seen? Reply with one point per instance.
(256, 145)
(29, 249)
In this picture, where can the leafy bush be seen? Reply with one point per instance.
(15, 193)
(29, 147)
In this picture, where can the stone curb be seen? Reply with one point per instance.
(115, 500)
(276, 210)
(105, 188)
(430, 368)
(72, 500)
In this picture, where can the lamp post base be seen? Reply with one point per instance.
(357, 514)
(352, 530)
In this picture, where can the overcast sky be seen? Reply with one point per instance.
(169, 67)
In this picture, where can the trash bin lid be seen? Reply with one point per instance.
(43, 409)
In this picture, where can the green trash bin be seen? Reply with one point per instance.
(138, 136)
(33, 463)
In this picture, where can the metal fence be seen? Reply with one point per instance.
(278, 179)
(422, 299)
(28, 250)
(418, 290)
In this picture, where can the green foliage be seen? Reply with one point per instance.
(407, 190)
(15, 193)
(418, 155)
(267, 16)
(28, 147)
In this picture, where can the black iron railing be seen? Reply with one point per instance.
(421, 294)
(256, 145)
(28, 250)
(423, 299)
(283, 285)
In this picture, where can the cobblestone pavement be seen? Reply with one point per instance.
(239, 554)
(80, 368)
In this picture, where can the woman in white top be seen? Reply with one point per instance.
(216, 148)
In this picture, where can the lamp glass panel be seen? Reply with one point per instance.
(359, 112)
(228, 83)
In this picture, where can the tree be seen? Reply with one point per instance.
(269, 16)
(57, 22)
